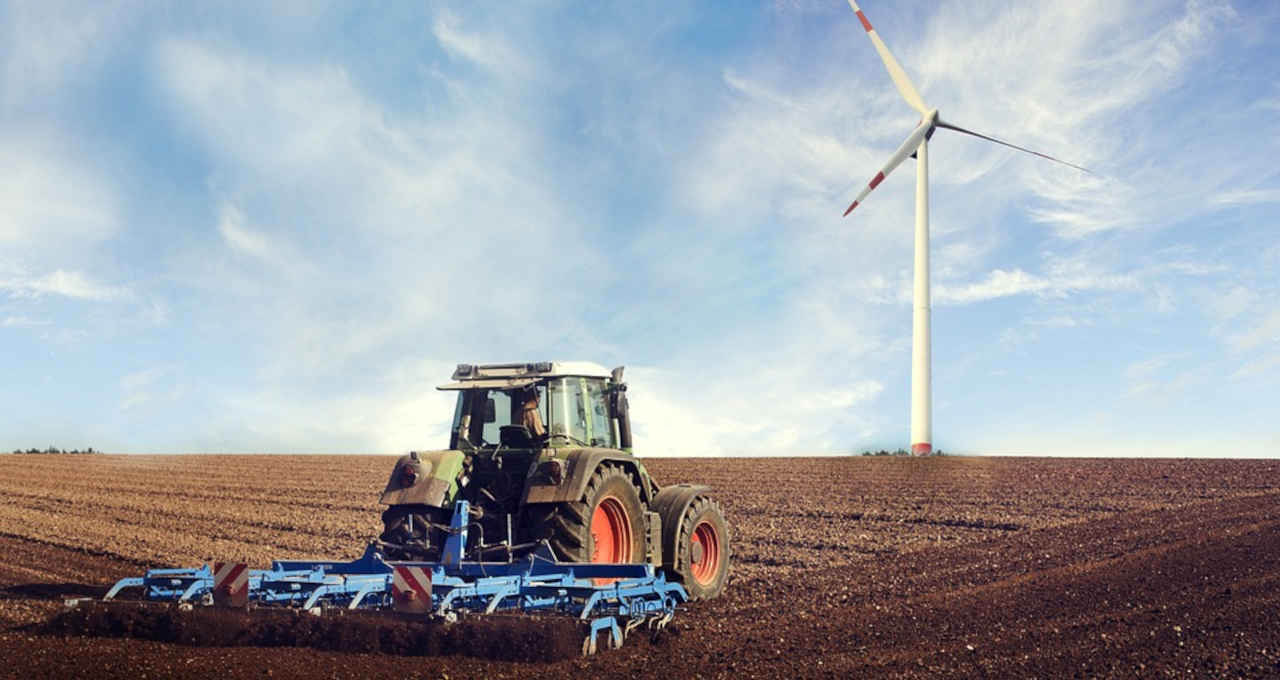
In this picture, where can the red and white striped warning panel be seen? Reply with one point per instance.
(411, 589)
(230, 584)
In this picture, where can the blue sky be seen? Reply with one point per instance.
(242, 228)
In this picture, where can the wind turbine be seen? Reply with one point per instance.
(917, 144)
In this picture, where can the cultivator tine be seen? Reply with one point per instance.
(606, 624)
(230, 584)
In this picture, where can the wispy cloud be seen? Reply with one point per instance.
(50, 45)
(69, 284)
(1000, 283)
(1247, 196)
(22, 322)
(50, 200)
(1258, 367)
(241, 238)
(490, 52)
(1265, 332)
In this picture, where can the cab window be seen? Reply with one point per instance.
(501, 415)
(598, 414)
(569, 412)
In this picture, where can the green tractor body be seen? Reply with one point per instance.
(542, 452)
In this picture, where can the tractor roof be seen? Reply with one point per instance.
(503, 376)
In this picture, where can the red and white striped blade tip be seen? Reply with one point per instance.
(899, 76)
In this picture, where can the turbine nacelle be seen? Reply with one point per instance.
(930, 117)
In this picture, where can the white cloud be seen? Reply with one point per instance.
(1145, 369)
(1016, 336)
(152, 388)
(49, 201)
(756, 90)
(69, 284)
(1058, 322)
(490, 52)
(1000, 283)
(394, 411)
(1266, 332)
(241, 238)
(859, 392)
(1258, 367)
(444, 234)
(1247, 197)
(21, 322)
(54, 42)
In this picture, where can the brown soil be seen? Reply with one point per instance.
(842, 568)
(504, 638)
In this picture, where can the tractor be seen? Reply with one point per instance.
(541, 452)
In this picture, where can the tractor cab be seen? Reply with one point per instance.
(538, 405)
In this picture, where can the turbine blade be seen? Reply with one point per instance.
(895, 69)
(908, 147)
(957, 128)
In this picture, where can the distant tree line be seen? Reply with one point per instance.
(899, 452)
(54, 449)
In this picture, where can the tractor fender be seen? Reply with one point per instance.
(428, 478)
(671, 504)
(580, 464)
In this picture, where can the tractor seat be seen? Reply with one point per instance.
(515, 436)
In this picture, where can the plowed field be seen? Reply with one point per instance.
(846, 567)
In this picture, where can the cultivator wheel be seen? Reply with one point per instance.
(606, 526)
(414, 532)
(702, 562)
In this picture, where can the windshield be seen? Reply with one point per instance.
(481, 414)
(566, 411)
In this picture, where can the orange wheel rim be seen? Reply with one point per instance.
(705, 553)
(610, 533)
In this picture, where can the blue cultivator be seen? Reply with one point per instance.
(612, 598)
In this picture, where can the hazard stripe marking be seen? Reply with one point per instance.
(411, 583)
(231, 576)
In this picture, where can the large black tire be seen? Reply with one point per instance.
(701, 561)
(610, 505)
(413, 532)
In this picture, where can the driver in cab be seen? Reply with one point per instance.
(529, 415)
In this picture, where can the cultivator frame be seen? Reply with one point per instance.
(612, 598)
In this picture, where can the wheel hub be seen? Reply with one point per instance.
(610, 533)
(704, 553)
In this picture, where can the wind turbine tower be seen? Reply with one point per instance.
(917, 144)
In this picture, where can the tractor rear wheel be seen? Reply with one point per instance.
(701, 561)
(605, 526)
(414, 532)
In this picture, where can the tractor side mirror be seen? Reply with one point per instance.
(490, 411)
(622, 410)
